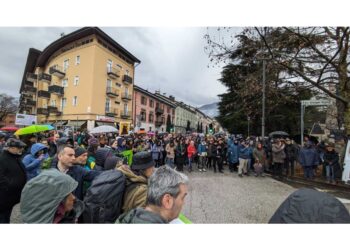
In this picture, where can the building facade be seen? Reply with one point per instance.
(152, 113)
(84, 79)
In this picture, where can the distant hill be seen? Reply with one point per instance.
(210, 109)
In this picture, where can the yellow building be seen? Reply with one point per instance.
(83, 79)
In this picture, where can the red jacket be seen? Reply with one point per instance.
(191, 150)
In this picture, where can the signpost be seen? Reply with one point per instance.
(304, 104)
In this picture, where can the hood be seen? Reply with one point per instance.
(102, 154)
(140, 216)
(120, 141)
(64, 140)
(311, 206)
(131, 176)
(42, 195)
(36, 148)
(111, 162)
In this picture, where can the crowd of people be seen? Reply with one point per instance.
(138, 177)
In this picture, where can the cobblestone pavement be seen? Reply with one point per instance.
(227, 198)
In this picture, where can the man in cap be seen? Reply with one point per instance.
(12, 177)
(81, 156)
(166, 194)
(136, 180)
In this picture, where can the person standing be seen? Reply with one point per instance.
(32, 161)
(13, 177)
(331, 161)
(291, 153)
(308, 158)
(180, 155)
(232, 155)
(220, 155)
(191, 151)
(170, 153)
(259, 159)
(278, 157)
(243, 159)
(157, 153)
(202, 153)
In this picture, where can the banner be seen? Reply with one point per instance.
(26, 120)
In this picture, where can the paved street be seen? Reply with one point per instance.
(226, 198)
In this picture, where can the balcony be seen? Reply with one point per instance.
(55, 89)
(29, 89)
(58, 113)
(111, 92)
(42, 111)
(112, 112)
(31, 77)
(57, 71)
(127, 79)
(44, 94)
(30, 102)
(159, 123)
(45, 77)
(113, 72)
(159, 111)
(52, 109)
(125, 115)
(126, 97)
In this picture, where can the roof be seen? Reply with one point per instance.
(32, 58)
(146, 92)
(317, 130)
(83, 32)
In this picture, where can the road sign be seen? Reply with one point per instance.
(315, 102)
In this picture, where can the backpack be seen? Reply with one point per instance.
(104, 198)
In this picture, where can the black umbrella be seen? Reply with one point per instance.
(278, 133)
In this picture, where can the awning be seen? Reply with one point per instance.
(59, 123)
(76, 123)
(98, 123)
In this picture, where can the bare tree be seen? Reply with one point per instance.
(8, 105)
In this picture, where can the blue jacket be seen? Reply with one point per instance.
(308, 157)
(244, 152)
(201, 149)
(157, 152)
(31, 161)
(232, 153)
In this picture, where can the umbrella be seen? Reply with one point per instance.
(278, 133)
(104, 129)
(33, 129)
(150, 133)
(9, 129)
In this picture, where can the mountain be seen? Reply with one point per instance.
(210, 109)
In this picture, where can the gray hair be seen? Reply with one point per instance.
(164, 180)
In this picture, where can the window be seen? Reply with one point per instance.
(108, 104)
(168, 110)
(143, 100)
(63, 103)
(109, 64)
(151, 103)
(109, 83)
(65, 65)
(150, 118)
(53, 103)
(119, 66)
(126, 91)
(143, 115)
(76, 80)
(77, 60)
(75, 101)
(65, 83)
(125, 108)
(127, 72)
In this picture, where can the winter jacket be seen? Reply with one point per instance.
(331, 158)
(201, 149)
(210, 151)
(101, 155)
(260, 155)
(140, 216)
(244, 152)
(136, 190)
(278, 154)
(180, 153)
(170, 151)
(291, 152)
(232, 153)
(220, 151)
(191, 151)
(311, 206)
(308, 156)
(42, 196)
(13, 177)
(157, 152)
(32, 162)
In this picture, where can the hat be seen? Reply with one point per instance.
(112, 162)
(79, 151)
(142, 160)
(330, 144)
(12, 142)
(93, 141)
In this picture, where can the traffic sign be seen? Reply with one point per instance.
(315, 102)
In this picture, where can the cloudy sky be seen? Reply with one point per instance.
(172, 59)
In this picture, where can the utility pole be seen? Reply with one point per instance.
(248, 124)
(263, 103)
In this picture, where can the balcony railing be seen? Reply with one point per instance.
(113, 72)
(112, 112)
(30, 102)
(31, 77)
(57, 71)
(111, 92)
(159, 123)
(55, 89)
(52, 109)
(44, 94)
(125, 115)
(159, 111)
(42, 111)
(59, 113)
(126, 97)
(127, 79)
(45, 77)
(29, 89)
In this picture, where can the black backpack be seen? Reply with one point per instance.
(104, 198)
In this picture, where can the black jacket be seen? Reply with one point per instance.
(291, 152)
(12, 179)
(140, 216)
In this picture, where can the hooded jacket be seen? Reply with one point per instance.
(12, 179)
(101, 155)
(136, 189)
(140, 216)
(278, 154)
(42, 195)
(311, 206)
(308, 156)
(32, 162)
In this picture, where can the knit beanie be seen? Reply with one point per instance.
(79, 151)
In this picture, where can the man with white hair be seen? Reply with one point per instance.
(166, 194)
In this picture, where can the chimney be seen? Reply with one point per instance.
(171, 98)
(157, 92)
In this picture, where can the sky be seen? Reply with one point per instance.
(173, 59)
